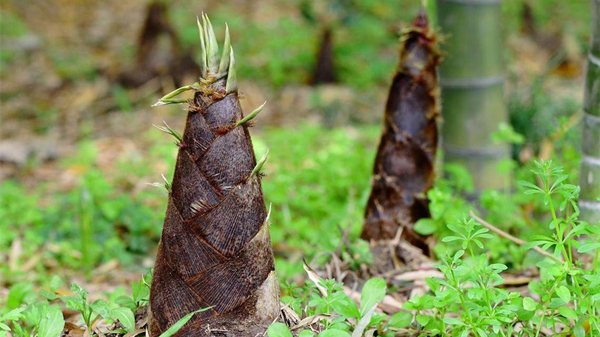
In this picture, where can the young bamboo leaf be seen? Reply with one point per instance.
(206, 40)
(224, 65)
(260, 164)
(213, 47)
(168, 130)
(250, 116)
(165, 184)
(169, 98)
(231, 85)
(169, 101)
(203, 64)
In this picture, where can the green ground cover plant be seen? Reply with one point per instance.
(316, 178)
(470, 300)
(87, 216)
(472, 259)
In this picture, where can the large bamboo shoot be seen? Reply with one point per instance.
(215, 251)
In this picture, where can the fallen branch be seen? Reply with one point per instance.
(511, 238)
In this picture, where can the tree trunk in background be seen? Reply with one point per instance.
(590, 164)
(215, 249)
(472, 80)
(404, 165)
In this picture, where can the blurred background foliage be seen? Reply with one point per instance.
(77, 150)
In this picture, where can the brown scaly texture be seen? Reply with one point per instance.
(404, 165)
(215, 249)
(325, 68)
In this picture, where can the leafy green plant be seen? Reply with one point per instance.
(316, 179)
(468, 234)
(30, 314)
(12, 316)
(39, 313)
(341, 316)
(90, 312)
(140, 294)
(469, 301)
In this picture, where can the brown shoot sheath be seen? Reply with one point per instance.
(404, 165)
(215, 249)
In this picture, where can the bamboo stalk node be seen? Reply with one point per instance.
(486, 152)
(472, 82)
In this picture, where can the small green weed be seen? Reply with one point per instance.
(470, 300)
(32, 313)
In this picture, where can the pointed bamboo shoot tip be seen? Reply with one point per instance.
(231, 85)
(212, 46)
(203, 64)
(224, 64)
(421, 19)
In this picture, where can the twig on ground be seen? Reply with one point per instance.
(511, 238)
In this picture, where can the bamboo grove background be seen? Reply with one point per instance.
(78, 153)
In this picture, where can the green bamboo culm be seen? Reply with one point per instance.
(472, 81)
(589, 202)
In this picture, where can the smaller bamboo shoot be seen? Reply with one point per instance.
(404, 165)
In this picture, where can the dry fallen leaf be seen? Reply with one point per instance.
(312, 275)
